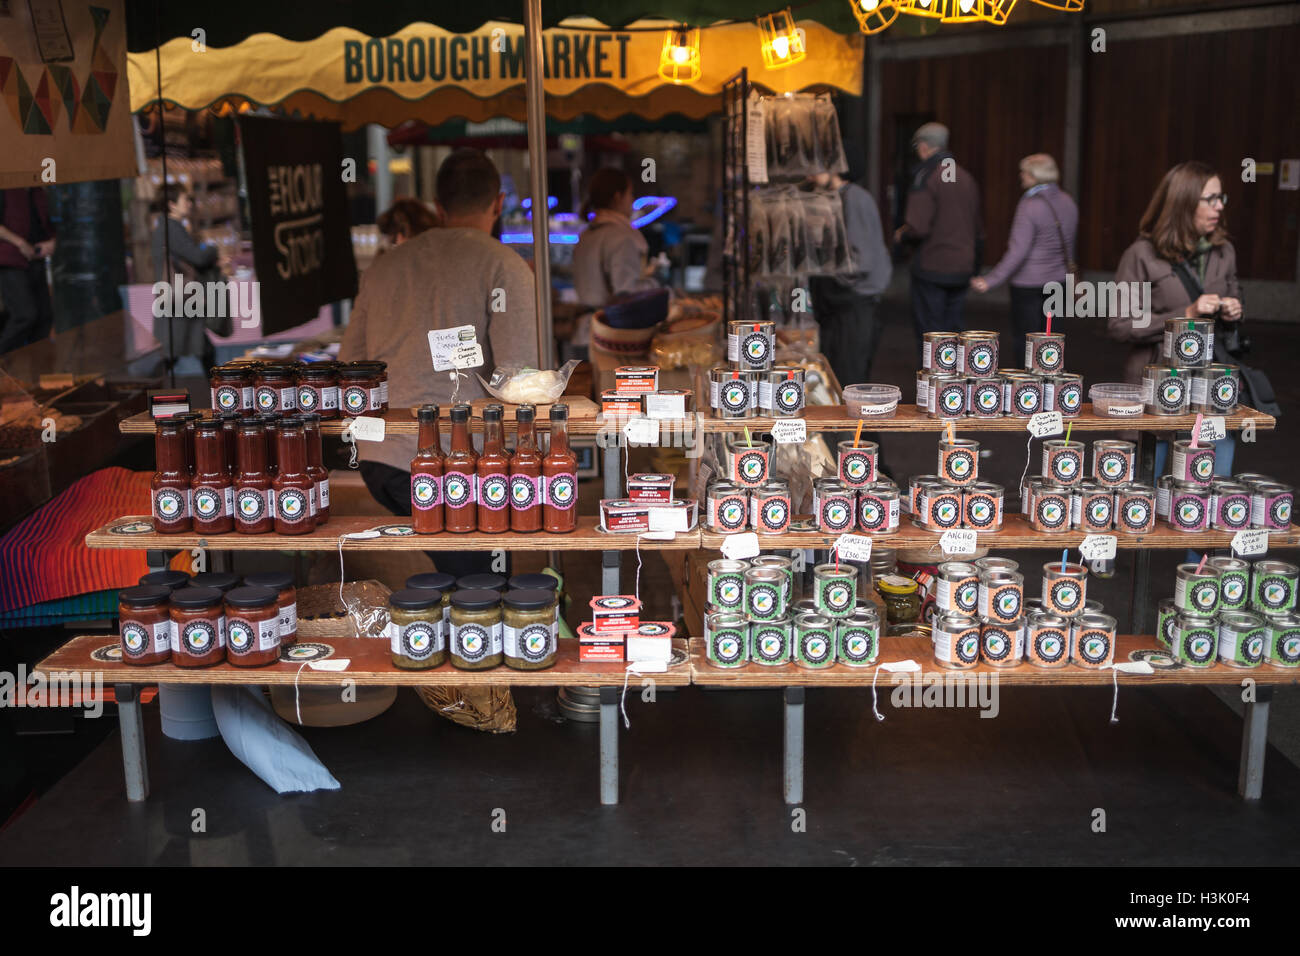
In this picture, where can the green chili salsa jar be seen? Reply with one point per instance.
(529, 631)
(436, 581)
(415, 630)
(476, 629)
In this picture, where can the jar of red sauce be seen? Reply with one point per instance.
(144, 624)
(170, 487)
(318, 390)
(254, 501)
(379, 392)
(276, 390)
(213, 491)
(231, 389)
(526, 474)
(493, 475)
(198, 631)
(426, 475)
(295, 491)
(286, 599)
(559, 469)
(252, 627)
(316, 469)
(355, 383)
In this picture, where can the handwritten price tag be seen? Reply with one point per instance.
(1213, 428)
(853, 547)
(1098, 546)
(1045, 423)
(455, 348)
(790, 431)
(738, 547)
(365, 428)
(642, 431)
(1247, 543)
(668, 519)
(339, 664)
(958, 541)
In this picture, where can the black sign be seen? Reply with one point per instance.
(302, 231)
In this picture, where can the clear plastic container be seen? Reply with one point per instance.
(1116, 399)
(872, 401)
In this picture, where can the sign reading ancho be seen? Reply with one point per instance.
(302, 234)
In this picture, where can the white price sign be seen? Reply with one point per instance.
(958, 541)
(1246, 543)
(365, 428)
(338, 664)
(1213, 428)
(1045, 423)
(1133, 667)
(901, 667)
(642, 431)
(455, 348)
(1098, 546)
(790, 431)
(853, 547)
(738, 547)
(668, 519)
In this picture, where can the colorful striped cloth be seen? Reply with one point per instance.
(45, 558)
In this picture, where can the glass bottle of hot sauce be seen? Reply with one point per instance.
(493, 475)
(254, 500)
(426, 475)
(459, 476)
(294, 488)
(525, 474)
(213, 495)
(170, 487)
(559, 470)
(315, 466)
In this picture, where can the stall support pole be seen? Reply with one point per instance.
(609, 746)
(1254, 743)
(131, 726)
(157, 560)
(535, 95)
(611, 560)
(1140, 610)
(793, 763)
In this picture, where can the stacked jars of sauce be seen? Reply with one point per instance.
(170, 487)
(286, 599)
(198, 627)
(252, 627)
(144, 624)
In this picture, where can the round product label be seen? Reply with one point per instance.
(1172, 394)
(1280, 511)
(756, 348)
(227, 398)
(1066, 595)
(523, 492)
(732, 514)
(1189, 346)
(207, 503)
(356, 400)
(1287, 646)
(1112, 466)
(267, 399)
(1205, 596)
(1094, 646)
(997, 643)
(1234, 512)
(735, 396)
(855, 467)
(1224, 392)
(1065, 465)
(945, 512)
(952, 399)
(471, 642)
(561, 491)
(494, 493)
(837, 596)
(981, 510)
(135, 639)
(815, 646)
(775, 514)
(967, 646)
(1049, 644)
(836, 514)
(1069, 399)
(966, 596)
(291, 505)
(727, 646)
(1233, 589)
(1252, 647)
(1275, 593)
(241, 635)
(1136, 514)
(988, 399)
(727, 591)
(1099, 511)
(1198, 645)
(858, 645)
(1049, 356)
(1006, 603)
(960, 464)
(945, 357)
(456, 489)
(752, 466)
(1189, 512)
(425, 491)
(1052, 512)
(169, 504)
(250, 504)
(1201, 467)
(980, 358)
(199, 637)
(789, 396)
(871, 514)
(770, 644)
(419, 640)
(308, 398)
(534, 642)
(762, 600)
(1028, 398)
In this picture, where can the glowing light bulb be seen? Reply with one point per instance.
(869, 5)
(681, 54)
(966, 5)
(781, 47)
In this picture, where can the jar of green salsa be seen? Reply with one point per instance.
(530, 634)
(415, 630)
(476, 629)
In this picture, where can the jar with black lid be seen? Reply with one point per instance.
(252, 627)
(436, 581)
(481, 582)
(171, 580)
(281, 582)
(144, 624)
(276, 390)
(221, 580)
(544, 582)
(379, 395)
(231, 388)
(318, 389)
(416, 633)
(355, 383)
(198, 631)
(529, 632)
(476, 629)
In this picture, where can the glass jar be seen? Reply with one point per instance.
(171, 580)
(436, 581)
(355, 384)
(252, 627)
(318, 390)
(144, 624)
(476, 629)
(276, 390)
(231, 389)
(902, 598)
(544, 582)
(481, 582)
(223, 581)
(281, 582)
(530, 634)
(198, 631)
(379, 384)
(415, 630)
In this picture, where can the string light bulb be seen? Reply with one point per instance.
(782, 42)
(679, 60)
(873, 16)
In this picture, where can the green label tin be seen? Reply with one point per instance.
(1196, 641)
(836, 589)
(727, 584)
(1166, 615)
(727, 639)
(770, 642)
(764, 594)
(1283, 646)
(1273, 585)
(1197, 592)
(858, 640)
(814, 641)
(1242, 637)
(1234, 590)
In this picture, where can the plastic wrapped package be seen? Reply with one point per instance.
(820, 228)
(779, 237)
(528, 386)
(790, 133)
(843, 258)
(826, 125)
(798, 233)
(758, 236)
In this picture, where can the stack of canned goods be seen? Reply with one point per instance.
(752, 384)
(1229, 610)
(1192, 498)
(959, 376)
(1062, 498)
(731, 507)
(938, 505)
(1179, 389)
(752, 616)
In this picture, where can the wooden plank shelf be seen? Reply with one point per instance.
(136, 531)
(1016, 533)
(919, 649)
(370, 663)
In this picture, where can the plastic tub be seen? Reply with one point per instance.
(1116, 399)
(872, 401)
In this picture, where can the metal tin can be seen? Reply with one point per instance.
(1216, 389)
(857, 463)
(747, 461)
(923, 389)
(1192, 464)
(990, 563)
(726, 638)
(1002, 644)
(814, 641)
(956, 587)
(1189, 506)
(917, 488)
(1166, 614)
(1188, 343)
(984, 395)
(857, 638)
(982, 506)
(835, 507)
(1242, 638)
(769, 507)
(779, 563)
(1234, 582)
(1063, 461)
(733, 393)
(1195, 640)
(1028, 489)
(1047, 640)
(835, 589)
(1092, 641)
(1023, 395)
(727, 507)
(878, 509)
(1045, 352)
(764, 594)
(1092, 507)
(1197, 592)
(771, 642)
(1272, 586)
(1164, 491)
(977, 353)
(803, 606)
(1063, 393)
(1051, 504)
(781, 391)
(956, 639)
(1270, 505)
(1229, 505)
(726, 584)
(947, 395)
(1001, 596)
(1165, 390)
(1283, 647)
(1251, 478)
(1135, 508)
(1064, 588)
(1114, 463)
(943, 507)
(939, 351)
(959, 460)
(751, 345)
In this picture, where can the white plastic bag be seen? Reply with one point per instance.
(528, 386)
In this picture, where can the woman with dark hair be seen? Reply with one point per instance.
(405, 219)
(184, 338)
(610, 258)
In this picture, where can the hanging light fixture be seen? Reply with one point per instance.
(874, 15)
(782, 42)
(964, 11)
(679, 60)
(931, 9)
(997, 12)
(1069, 6)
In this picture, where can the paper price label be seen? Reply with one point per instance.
(1045, 423)
(1098, 546)
(756, 140)
(790, 431)
(1247, 543)
(658, 535)
(668, 519)
(1213, 428)
(642, 431)
(738, 547)
(958, 541)
(466, 356)
(853, 547)
(365, 428)
(455, 348)
(901, 667)
(1134, 667)
(339, 664)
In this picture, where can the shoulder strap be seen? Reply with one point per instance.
(1060, 233)
(1188, 278)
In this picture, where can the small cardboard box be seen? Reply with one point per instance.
(651, 487)
(636, 379)
(615, 613)
(622, 404)
(651, 641)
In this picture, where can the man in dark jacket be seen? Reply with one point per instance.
(26, 241)
(943, 220)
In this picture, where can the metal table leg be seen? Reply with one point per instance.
(158, 560)
(609, 745)
(131, 724)
(1254, 742)
(793, 764)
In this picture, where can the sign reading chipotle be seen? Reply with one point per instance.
(302, 232)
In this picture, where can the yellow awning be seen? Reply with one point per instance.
(426, 73)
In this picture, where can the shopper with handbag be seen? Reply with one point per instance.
(184, 337)
(1040, 250)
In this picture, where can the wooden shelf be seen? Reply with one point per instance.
(135, 531)
(919, 649)
(371, 663)
(1016, 533)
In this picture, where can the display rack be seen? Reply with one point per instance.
(736, 301)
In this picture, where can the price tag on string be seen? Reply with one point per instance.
(853, 547)
(1098, 547)
(1133, 667)
(657, 535)
(455, 348)
(738, 547)
(1246, 543)
(668, 519)
(790, 431)
(1213, 428)
(339, 664)
(642, 431)
(901, 667)
(365, 428)
(1045, 423)
(958, 541)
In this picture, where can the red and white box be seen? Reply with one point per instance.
(652, 641)
(654, 488)
(615, 613)
(621, 404)
(624, 516)
(636, 379)
(599, 647)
